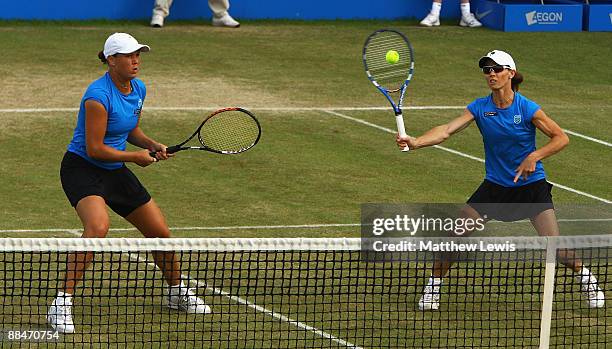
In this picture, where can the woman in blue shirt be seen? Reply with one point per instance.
(515, 185)
(94, 175)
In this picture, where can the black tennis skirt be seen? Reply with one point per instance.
(493, 201)
(120, 188)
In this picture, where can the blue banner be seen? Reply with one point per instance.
(490, 14)
(517, 16)
(598, 16)
(535, 18)
(240, 9)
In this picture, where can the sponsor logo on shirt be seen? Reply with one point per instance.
(490, 113)
(139, 109)
(517, 119)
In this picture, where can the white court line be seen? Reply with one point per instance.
(560, 220)
(575, 191)
(78, 231)
(279, 316)
(37, 110)
(275, 315)
(588, 138)
(210, 108)
(239, 227)
(289, 109)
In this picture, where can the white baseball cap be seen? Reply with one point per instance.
(122, 43)
(500, 57)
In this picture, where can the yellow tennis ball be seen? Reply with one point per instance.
(392, 57)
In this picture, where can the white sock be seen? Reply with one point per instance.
(434, 281)
(63, 298)
(435, 8)
(177, 289)
(585, 276)
(465, 9)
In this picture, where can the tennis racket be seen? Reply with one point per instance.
(393, 75)
(226, 131)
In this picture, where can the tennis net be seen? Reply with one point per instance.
(306, 293)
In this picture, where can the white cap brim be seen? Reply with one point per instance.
(129, 49)
(141, 48)
(123, 43)
(499, 57)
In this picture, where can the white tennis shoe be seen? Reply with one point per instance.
(431, 20)
(594, 295)
(60, 316)
(157, 21)
(225, 21)
(469, 21)
(430, 300)
(184, 299)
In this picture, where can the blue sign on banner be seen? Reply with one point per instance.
(563, 16)
(598, 16)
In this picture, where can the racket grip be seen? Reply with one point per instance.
(173, 149)
(170, 150)
(399, 120)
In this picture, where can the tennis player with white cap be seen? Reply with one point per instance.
(122, 43)
(94, 175)
(515, 185)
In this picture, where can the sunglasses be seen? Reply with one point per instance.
(496, 68)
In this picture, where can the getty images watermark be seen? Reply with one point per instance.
(398, 245)
(388, 228)
(406, 224)
(392, 232)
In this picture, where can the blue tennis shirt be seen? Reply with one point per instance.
(123, 114)
(508, 136)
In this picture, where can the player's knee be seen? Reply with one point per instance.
(163, 233)
(96, 230)
(160, 232)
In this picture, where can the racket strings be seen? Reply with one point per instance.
(391, 76)
(231, 131)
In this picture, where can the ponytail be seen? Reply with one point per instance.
(101, 57)
(516, 81)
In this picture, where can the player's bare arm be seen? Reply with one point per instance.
(437, 134)
(138, 138)
(558, 141)
(95, 128)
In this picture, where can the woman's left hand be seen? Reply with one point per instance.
(160, 152)
(526, 168)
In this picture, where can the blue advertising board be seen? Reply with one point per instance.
(530, 16)
(240, 9)
(490, 13)
(598, 16)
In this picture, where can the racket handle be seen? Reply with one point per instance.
(173, 149)
(399, 120)
(170, 150)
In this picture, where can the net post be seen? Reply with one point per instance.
(549, 289)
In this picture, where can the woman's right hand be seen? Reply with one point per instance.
(143, 158)
(402, 142)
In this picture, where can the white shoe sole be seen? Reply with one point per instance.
(465, 25)
(222, 25)
(173, 306)
(60, 328)
(157, 22)
(429, 306)
(598, 302)
(428, 25)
